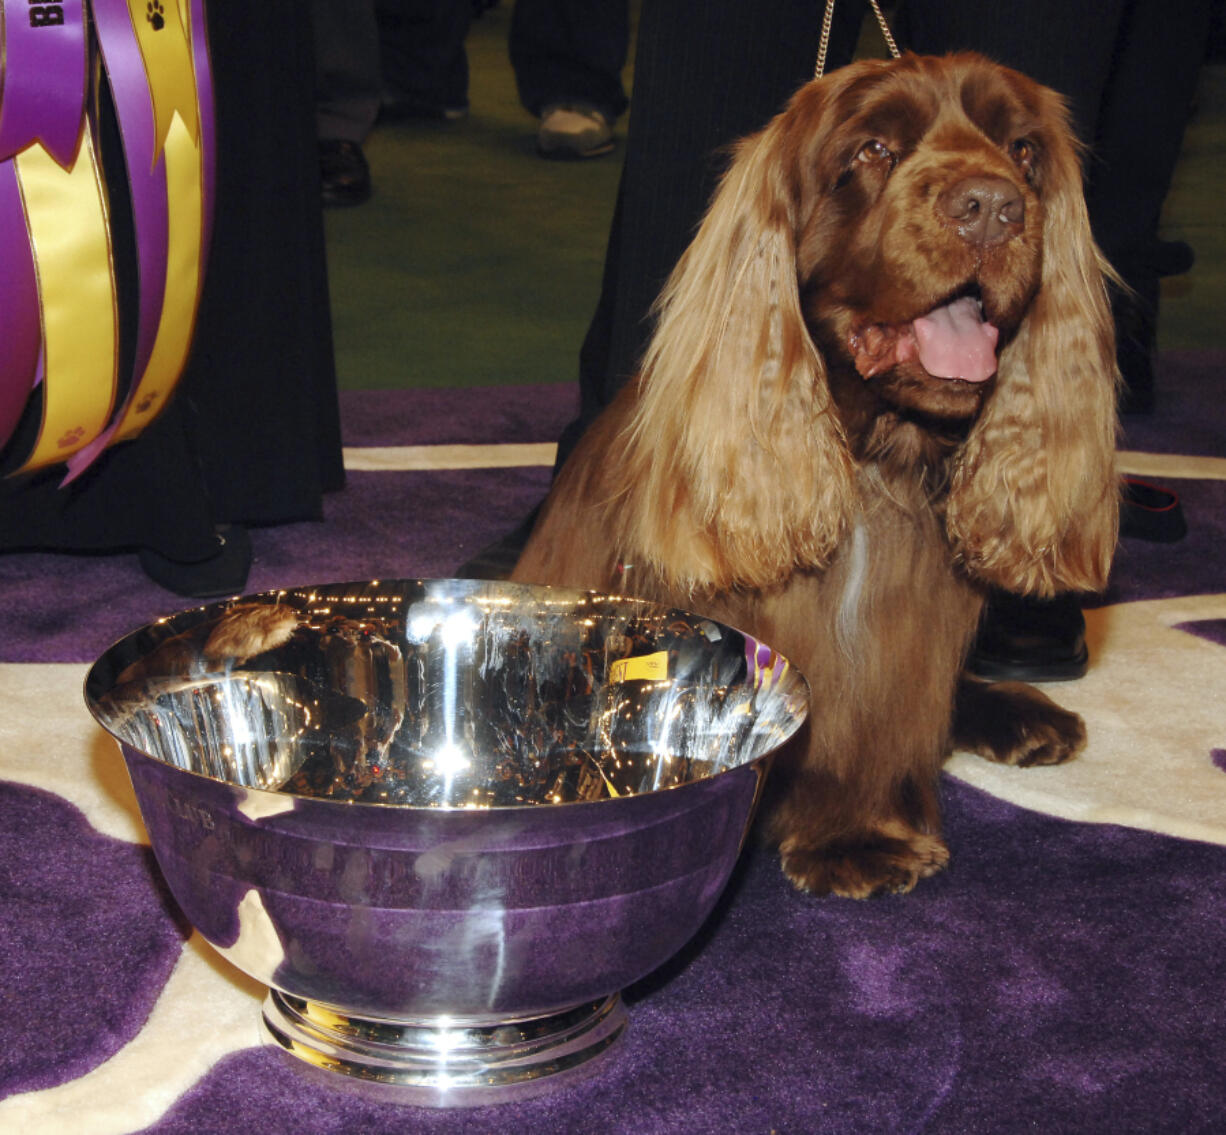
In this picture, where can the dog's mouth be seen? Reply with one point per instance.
(952, 341)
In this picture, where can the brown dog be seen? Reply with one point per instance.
(882, 379)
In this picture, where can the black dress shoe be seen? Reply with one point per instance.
(1150, 512)
(1030, 640)
(343, 172)
(222, 574)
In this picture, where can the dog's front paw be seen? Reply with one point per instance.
(1015, 724)
(890, 861)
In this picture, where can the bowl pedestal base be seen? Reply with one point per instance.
(440, 1062)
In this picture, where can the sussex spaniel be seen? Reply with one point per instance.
(882, 380)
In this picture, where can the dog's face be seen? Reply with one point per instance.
(922, 246)
(898, 272)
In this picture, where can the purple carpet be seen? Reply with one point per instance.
(88, 936)
(1059, 977)
(1038, 986)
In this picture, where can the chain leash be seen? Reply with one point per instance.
(886, 34)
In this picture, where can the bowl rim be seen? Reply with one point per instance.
(185, 618)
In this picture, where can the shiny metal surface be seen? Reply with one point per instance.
(445, 821)
(451, 1065)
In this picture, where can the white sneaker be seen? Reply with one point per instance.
(573, 130)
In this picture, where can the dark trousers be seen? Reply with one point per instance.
(570, 50)
(347, 83)
(704, 75)
(422, 49)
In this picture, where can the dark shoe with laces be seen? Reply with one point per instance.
(344, 174)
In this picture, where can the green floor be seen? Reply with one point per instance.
(477, 263)
(1193, 310)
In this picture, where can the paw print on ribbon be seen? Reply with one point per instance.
(155, 14)
(71, 438)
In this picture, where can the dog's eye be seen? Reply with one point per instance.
(876, 151)
(1022, 151)
(875, 155)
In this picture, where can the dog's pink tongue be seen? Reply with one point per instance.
(954, 342)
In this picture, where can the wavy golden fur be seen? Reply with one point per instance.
(786, 461)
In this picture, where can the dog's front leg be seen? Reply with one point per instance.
(858, 815)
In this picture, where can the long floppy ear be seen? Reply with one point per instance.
(739, 470)
(1033, 505)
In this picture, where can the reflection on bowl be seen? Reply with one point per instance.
(446, 822)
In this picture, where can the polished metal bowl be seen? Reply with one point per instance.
(446, 822)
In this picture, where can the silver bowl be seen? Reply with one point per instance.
(445, 822)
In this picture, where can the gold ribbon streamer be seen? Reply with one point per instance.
(165, 47)
(185, 217)
(67, 216)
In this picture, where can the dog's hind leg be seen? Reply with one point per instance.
(1015, 724)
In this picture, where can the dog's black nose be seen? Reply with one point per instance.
(983, 210)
